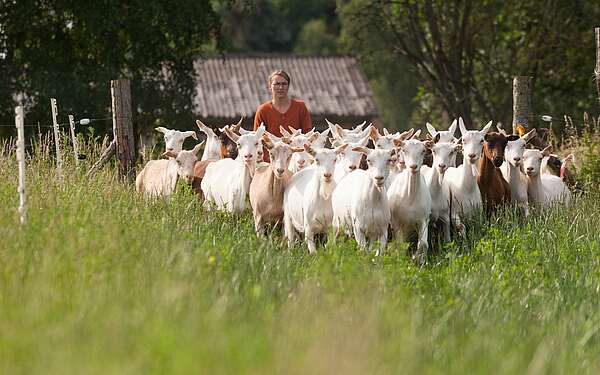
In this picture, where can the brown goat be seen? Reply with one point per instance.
(495, 191)
(268, 185)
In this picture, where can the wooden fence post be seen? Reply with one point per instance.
(74, 140)
(56, 139)
(19, 123)
(521, 102)
(123, 127)
(597, 70)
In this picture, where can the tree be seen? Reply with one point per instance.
(465, 53)
(71, 50)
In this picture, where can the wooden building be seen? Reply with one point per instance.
(333, 87)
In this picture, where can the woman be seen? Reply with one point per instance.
(281, 110)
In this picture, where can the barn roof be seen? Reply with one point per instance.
(233, 86)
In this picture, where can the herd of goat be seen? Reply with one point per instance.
(359, 181)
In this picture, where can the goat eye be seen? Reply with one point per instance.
(256, 144)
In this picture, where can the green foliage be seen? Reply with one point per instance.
(270, 25)
(393, 86)
(101, 280)
(589, 171)
(316, 39)
(71, 50)
(464, 54)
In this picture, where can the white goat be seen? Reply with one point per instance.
(360, 200)
(409, 197)
(513, 172)
(212, 151)
(159, 177)
(174, 138)
(386, 142)
(300, 160)
(307, 197)
(544, 189)
(349, 160)
(462, 180)
(444, 135)
(444, 154)
(226, 181)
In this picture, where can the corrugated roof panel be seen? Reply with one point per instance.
(234, 86)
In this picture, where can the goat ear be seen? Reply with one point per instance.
(285, 140)
(309, 149)
(284, 132)
(547, 151)
(530, 135)
(313, 137)
(486, 128)
(260, 131)
(161, 130)
(398, 142)
(512, 137)
(364, 142)
(169, 154)
(244, 131)
(205, 128)
(234, 137)
(190, 133)
(385, 131)
(197, 148)
(436, 138)
(331, 127)
(340, 130)
(338, 150)
(405, 135)
(267, 142)
(336, 142)
(452, 128)
(501, 129)
(362, 150)
(431, 129)
(239, 123)
(236, 128)
(374, 133)
(461, 126)
(271, 137)
(416, 135)
(325, 133)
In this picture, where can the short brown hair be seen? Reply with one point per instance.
(279, 72)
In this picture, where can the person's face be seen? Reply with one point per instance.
(279, 86)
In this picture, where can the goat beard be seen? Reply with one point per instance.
(326, 188)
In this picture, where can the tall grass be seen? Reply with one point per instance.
(102, 281)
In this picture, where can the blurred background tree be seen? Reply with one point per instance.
(71, 49)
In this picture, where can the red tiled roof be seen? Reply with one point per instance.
(233, 86)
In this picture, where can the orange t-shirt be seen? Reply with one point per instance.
(296, 117)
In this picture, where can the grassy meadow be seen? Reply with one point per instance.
(101, 281)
